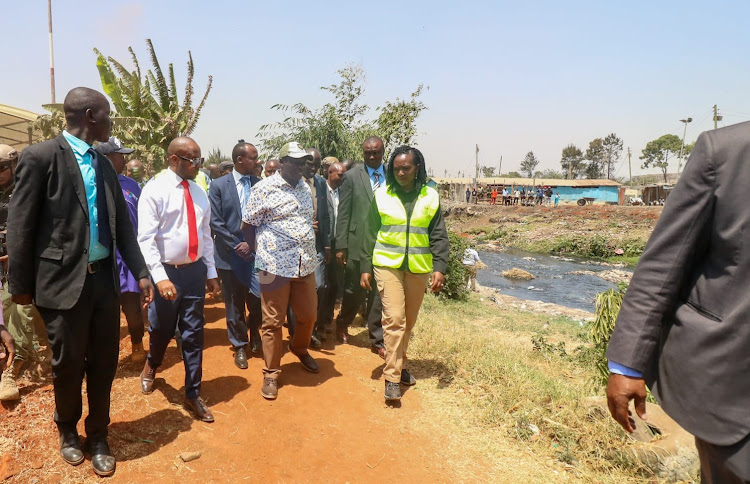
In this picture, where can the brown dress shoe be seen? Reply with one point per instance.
(147, 379)
(200, 409)
(270, 389)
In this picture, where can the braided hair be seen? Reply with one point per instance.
(420, 180)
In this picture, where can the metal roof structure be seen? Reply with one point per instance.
(552, 182)
(16, 127)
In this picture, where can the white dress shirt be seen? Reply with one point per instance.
(238, 185)
(163, 225)
(335, 198)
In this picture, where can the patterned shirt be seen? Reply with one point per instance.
(283, 217)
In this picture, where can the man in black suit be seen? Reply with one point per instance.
(334, 272)
(66, 218)
(228, 197)
(356, 195)
(683, 327)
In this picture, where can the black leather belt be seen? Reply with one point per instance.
(181, 266)
(95, 266)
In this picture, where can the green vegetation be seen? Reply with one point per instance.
(339, 127)
(455, 277)
(511, 381)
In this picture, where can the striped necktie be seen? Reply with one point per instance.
(376, 185)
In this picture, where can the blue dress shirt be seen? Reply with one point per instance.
(380, 170)
(619, 369)
(81, 151)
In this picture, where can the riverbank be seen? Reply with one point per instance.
(613, 234)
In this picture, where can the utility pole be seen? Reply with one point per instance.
(500, 168)
(630, 167)
(682, 146)
(717, 118)
(51, 52)
(476, 171)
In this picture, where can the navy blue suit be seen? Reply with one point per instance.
(226, 224)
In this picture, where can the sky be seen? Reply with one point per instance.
(511, 77)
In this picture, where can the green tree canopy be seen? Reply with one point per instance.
(529, 163)
(595, 159)
(339, 127)
(149, 112)
(572, 163)
(658, 152)
(488, 171)
(612, 150)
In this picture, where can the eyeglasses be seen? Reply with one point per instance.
(6, 165)
(195, 161)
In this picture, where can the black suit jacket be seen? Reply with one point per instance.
(48, 226)
(355, 198)
(685, 320)
(226, 218)
(323, 237)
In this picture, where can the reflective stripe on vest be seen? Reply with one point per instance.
(396, 238)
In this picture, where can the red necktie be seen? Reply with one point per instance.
(192, 229)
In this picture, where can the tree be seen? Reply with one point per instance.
(572, 162)
(488, 171)
(551, 174)
(529, 163)
(339, 127)
(512, 174)
(595, 159)
(216, 156)
(658, 152)
(612, 150)
(149, 113)
(50, 125)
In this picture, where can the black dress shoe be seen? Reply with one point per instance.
(102, 460)
(256, 344)
(342, 336)
(407, 378)
(240, 359)
(147, 379)
(315, 342)
(70, 448)
(308, 362)
(392, 391)
(200, 409)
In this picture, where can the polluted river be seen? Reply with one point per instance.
(557, 280)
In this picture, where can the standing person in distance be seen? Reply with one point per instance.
(67, 217)
(470, 262)
(270, 168)
(278, 221)
(130, 292)
(355, 198)
(228, 197)
(334, 271)
(174, 233)
(405, 241)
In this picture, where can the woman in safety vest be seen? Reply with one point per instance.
(405, 241)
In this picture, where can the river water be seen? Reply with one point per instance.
(553, 281)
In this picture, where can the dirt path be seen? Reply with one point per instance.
(326, 427)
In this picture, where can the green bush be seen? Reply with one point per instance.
(455, 277)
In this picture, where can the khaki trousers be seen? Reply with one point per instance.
(300, 294)
(26, 327)
(401, 293)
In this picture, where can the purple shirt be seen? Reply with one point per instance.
(132, 192)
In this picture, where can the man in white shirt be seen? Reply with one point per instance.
(470, 261)
(334, 271)
(174, 234)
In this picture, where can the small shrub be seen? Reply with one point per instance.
(455, 277)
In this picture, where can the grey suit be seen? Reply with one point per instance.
(355, 198)
(684, 320)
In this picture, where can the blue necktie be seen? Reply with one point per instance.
(246, 184)
(105, 233)
(376, 185)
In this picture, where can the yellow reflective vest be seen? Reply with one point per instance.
(400, 235)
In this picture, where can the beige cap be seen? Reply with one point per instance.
(8, 153)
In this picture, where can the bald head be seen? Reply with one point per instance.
(181, 152)
(272, 166)
(181, 145)
(335, 174)
(87, 114)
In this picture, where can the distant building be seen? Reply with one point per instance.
(603, 191)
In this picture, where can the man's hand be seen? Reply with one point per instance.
(437, 281)
(147, 291)
(364, 281)
(620, 390)
(315, 226)
(213, 287)
(327, 256)
(341, 257)
(244, 251)
(8, 343)
(21, 299)
(167, 290)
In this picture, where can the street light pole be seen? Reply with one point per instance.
(682, 146)
(51, 52)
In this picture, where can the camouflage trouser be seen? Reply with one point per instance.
(25, 325)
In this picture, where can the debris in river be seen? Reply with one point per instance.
(518, 274)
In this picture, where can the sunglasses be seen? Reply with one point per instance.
(195, 161)
(6, 165)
